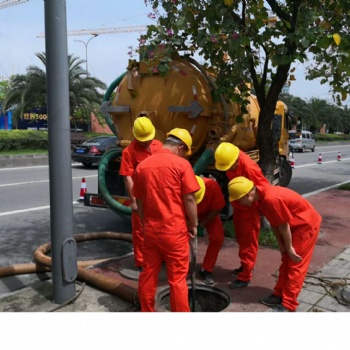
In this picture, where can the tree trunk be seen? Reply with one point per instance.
(267, 145)
(266, 141)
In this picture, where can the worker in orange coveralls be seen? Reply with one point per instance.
(164, 187)
(210, 201)
(246, 222)
(142, 147)
(295, 223)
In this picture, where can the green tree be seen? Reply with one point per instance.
(29, 91)
(262, 39)
(3, 89)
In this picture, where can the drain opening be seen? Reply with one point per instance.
(208, 299)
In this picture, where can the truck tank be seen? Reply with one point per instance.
(181, 99)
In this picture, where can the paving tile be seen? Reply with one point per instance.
(304, 307)
(309, 297)
(347, 251)
(340, 263)
(319, 309)
(312, 287)
(344, 255)
(334, 272)
(331, 304)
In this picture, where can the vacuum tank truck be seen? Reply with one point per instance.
(181, 99)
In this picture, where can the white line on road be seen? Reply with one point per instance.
(33, 167)
(39, 181)
(316, 164)
(24, 167)
(28, 210)
(324, 189)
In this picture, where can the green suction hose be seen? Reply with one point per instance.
(116, 207)
(107, 97)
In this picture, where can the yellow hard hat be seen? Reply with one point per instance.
(184, 136)
(225, 156)
(201, 192)
(239, 187)
(143, 129)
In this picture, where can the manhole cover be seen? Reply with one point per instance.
(127, 269)
(208, 299)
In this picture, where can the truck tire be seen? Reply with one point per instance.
(285, 173)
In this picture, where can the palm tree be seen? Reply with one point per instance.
(28, 91)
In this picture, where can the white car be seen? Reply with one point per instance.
(301, 141)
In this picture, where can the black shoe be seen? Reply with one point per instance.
(206, 276)
(279, 308)
(272, 300)
(237, 271)
(239, 284)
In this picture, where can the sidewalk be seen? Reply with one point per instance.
(324, 285)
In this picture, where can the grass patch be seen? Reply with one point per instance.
(23, 152)
(266, 237)
(345, 187)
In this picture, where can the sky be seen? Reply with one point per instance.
(107, 54)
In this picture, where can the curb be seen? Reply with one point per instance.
(23, 160)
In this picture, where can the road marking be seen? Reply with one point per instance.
(24, 167)
(34, 167)
(40, 181)
(317, 147)
(324, 189)
(316, 164)
(28, 210)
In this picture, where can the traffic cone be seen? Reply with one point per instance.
(82, 190)
(291, 161)
(319, 160)
(339, 156)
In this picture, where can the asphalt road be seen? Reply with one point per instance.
(309, 176)
(25, 214)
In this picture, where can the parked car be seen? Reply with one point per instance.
(91, 151)
(301, 141)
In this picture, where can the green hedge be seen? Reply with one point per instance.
(23, 139)
(35, 139)
(331, 137)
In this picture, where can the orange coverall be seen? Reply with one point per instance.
(213, 200)
(160, 182)
(131, 157)
(246, 220)
(281, 205)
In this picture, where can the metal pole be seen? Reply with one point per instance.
(64, 263)
(86, 50)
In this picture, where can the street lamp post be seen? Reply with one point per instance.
(86, 48)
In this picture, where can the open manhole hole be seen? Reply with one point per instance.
(128, 270)
(208, 299)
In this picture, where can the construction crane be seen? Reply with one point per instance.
(7, 3)
(101, 31)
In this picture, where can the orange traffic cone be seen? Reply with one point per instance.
(292, 162)
(319, 160)
(339, 156)
(82, 190)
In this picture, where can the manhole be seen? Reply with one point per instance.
(208, 299)
(127, 269)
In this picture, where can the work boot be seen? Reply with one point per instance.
(239, 284)
(206, 276)
(279, 308)
(272, 300)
